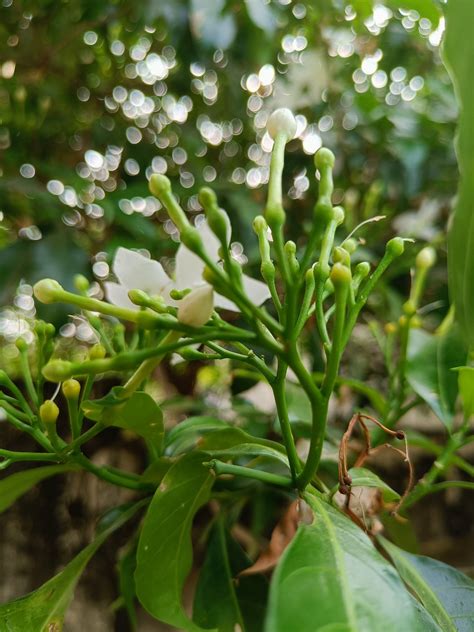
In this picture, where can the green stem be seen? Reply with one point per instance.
(279, 394)
(26, 372)
(28, 456)
(111, 477)
(259, 475)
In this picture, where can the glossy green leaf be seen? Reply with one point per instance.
(43, 610)
(458, 53)
(249, 450)
(431, 359)
(164, 556)
(362, 477)
(185, 435)
(18, 484)
(466, 389)
(231, 436)
(332, 578)
(223, 600)
(445, 592)
(139, 413)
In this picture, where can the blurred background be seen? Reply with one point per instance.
(97, 95)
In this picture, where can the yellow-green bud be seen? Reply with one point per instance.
(71, 389)
(159, 185)
(49, 412)
(350, 245)
(390, 328)
(58, 370)
(260, 225)
(268, 270)
(340, 275)
(21, 344)
(207, 197)
(97, 352)
(139, 297)
(395, 247)
(340, 255)
(196, 308)
(338, 215)
(50, 330)
(282, 121)
(81, 283)
(362, 269)
(46, 290)
(426, 258)
(409, 308)
(324, 158)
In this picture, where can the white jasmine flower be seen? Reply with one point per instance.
(136, 272)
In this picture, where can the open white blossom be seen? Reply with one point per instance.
(136, 272)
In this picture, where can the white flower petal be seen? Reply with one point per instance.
(196, 308)
(136, 272)
(257, 291)
(225, 303)
(189, 267)
(118, 295)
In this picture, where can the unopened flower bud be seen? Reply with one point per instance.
(196, 308)
(81, 283)
(340, 255)
(260, 225)
(340, 275)
(21, 344)
(362, 269)
(390, 329)
(207, 197)
(50, 330)
(324, 158)
(426, 258)
(97, 352)
(46, 290)
(338, 215)
(139, 297)
(350, 245)
(58, 370)
(49, 412)
(159, 184)
(71, 389)
(395, 247)
(191, 238)
(282, 121)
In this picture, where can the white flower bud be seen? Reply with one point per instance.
(46, 290)
(282, 121)
(426, 258)
(196, 308)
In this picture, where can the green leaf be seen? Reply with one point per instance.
(431, 359)
(18, 484)
(362, 477)
(249, 450)
(458, 53)
(222, 600)
(164, 556)
(139, 413)
(185, 434)
(332, 578)
(43, 610)
(466, 389)
(126, 569)
(230, 437)
(443, 590)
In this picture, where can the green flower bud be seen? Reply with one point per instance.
(71, 389)
(177, 295)
(395, 247)
(49, 412)
(159, 185)
(324, 158)
(196, 308)
(267, 270)
(323, 212)
(426, 258)
(321, 272)
(350, 245)
(46, 290)
(58, 370)
(97, 352)
(390, 329)
(50, 330)
(283, 122)
(81, 283)
(191, 238)
(340, 275)
(338, 215)
(207, 197)
(40, 328)
(21, 344)
(409, 308)
(260, 225)
(139, 297)
(362, 269)
(275, 214)
(340, 255)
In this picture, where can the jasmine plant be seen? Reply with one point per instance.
(332, 573)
